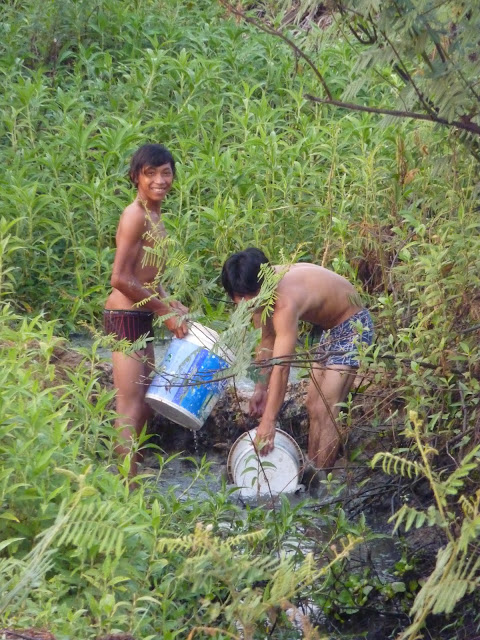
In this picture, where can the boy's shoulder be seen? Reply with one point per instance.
(134, 213)
(133, 220)
(135, 208)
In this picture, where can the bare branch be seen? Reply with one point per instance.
(465, 126)
(428, 107)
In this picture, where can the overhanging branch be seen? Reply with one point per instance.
(274, 32)
(464, 125)
(471, 127)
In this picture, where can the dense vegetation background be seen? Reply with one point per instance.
(392, 205)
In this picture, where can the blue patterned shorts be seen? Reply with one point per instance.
(342, 340)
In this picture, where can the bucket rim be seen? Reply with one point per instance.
(195, 422)
(206, 338)
(300, 456)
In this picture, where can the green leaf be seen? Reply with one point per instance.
(9, 541)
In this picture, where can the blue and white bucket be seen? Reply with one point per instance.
(186, 389)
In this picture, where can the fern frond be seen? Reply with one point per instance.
(468, 533)
(455, 481)
(245, 538)
(268, 291)
(20, 585)
(455, 575)
(202, 539)
(446, 597)
(470, 505)
(393, 464)
(409, 517)
(154, 256)
(95, 525)
(286, 579)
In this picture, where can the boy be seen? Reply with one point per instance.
(313, 294)
(135, 299)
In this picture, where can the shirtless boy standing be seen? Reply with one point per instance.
(316, 295)
(152, 170)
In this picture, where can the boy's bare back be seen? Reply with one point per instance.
(316, 295)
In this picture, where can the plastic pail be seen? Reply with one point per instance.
(277, 472)
(185, 390)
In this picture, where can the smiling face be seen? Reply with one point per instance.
(154, 183)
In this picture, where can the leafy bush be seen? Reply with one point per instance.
(81, 554)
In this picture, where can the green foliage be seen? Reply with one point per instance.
(425, 248)
(426, 51)
(258, 166)
(393, 208)
(213, 564)
(8, 246)
(83, 555)
(430, 47)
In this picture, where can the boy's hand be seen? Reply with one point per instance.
(176, 326)
(257, 403)
(264, 439)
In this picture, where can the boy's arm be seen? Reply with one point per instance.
(263, 352)
(285, 324)
(129, 246)
(175, 304)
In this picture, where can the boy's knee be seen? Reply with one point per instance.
(315, 407)
(135, 407)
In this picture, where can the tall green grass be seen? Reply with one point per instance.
(87, 83)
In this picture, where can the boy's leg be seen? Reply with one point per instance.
(328, 386)
(131, 379)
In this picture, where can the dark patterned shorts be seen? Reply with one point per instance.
(343, 339)
(128, 325)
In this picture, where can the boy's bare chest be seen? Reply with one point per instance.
(155, 234)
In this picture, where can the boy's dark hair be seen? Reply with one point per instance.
(150, 155)
(241, 272)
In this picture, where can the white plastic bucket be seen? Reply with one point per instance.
(255, 475)
(185, 389)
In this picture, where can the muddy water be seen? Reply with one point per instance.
(212, 442)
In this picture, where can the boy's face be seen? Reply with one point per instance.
(155, 182)
(238, 298)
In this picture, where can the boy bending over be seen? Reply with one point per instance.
(152, 170)
(316, 295)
